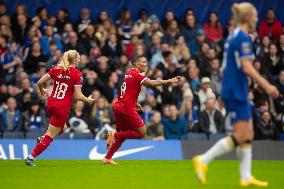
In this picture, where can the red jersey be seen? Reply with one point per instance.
(63, 88)
(130, 90)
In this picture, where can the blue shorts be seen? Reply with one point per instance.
(238, 110)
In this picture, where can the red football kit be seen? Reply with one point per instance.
(60, 101)
(125, 107)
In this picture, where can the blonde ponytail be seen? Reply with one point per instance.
(69, 57)
(241, 11)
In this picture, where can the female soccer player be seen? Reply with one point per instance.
(237, 64)
(67, 83)
(128, 122)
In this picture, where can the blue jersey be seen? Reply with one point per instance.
(235, 82)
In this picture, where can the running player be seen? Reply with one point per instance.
(237, 65)
(128, 122)
(67, 83)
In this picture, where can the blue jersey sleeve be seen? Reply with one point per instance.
(244, 46)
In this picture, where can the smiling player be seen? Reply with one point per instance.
(128, 122)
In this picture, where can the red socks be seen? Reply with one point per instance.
(114, 147)
(40, 147)
(128, 135)
(119, 139)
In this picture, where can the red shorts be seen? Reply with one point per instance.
(58, 115)
(127, 122)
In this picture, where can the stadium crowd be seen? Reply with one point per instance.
(31, 45)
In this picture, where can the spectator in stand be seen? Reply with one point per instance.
(180, 50)
(11, 117)
(155, 128)
(110, 90)
(67, 29)
(211, 119)
(54, 57)
(74, 44)
(5, 27)
(19, 9)
(147, 112)
(40, 20)
(4, 95)
(190, 30)
(35, 118)
(155, 29)
(49, 37)
(273, 63)
(263, 48)
(175, 127)
(9, 64)
(62, 19)
(192, 75)
(21, 28)
(2, 9)
(142, 25)
(171, 33)
(88, 38)
(51, 21)
(204, 92)
(124, 26)
(229, 28)
(130, 48)
(79, 119)
(103, 16)
(213, 29)
(189, 111)
(281, 45)
(112, 48)
(91, 83)
(34, 59)
(216, 75)
(84, 20)
(270, 26)
(154, 46)
(169, 17)
(266, 129)
(196, 43)
(280, 82)
(101, 113)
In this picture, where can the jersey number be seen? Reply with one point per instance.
(60, 90)
(122, 89)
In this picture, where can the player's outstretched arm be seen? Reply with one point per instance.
(43, 92)
(251, 72)
(155, 83)
(78, 95)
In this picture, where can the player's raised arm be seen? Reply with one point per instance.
(251, 72)
(154, 83)
(40, 83)
(78, 95)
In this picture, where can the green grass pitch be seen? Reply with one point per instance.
(80, 174)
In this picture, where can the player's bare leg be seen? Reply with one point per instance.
(51, 133)
(110, 138)
(38, 139)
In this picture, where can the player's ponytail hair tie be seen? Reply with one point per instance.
(69, 57)
(241, 11)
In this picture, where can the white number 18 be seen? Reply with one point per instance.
(60, 90)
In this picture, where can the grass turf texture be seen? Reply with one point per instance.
(76, 174)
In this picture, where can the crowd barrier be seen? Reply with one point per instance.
(131, 149)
